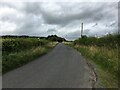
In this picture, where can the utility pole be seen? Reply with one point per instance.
(81, 30)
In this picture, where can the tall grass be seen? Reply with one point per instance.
(110, 41)
(19, 51)
(18, 44)
(106, 60)
(104, 53)
(14, 60)
(104, 57)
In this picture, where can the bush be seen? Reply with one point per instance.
(111, 41)
(19, 51)
(19, 44)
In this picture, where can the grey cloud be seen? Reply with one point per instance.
(68, 17)
(32, 8)
(29, 24)
(87, 15)
(51, 30)
(95, 25)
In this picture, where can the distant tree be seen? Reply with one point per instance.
(55, 38)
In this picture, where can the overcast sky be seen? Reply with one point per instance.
(61, 18)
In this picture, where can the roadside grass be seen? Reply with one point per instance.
(10, 45)
(107, 80)
(13, 58)
(106, 62)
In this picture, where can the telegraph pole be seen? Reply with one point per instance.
(81, 30)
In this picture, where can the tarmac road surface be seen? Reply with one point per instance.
(63, 67)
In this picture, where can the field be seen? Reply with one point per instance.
(103, 52)
(17, 51)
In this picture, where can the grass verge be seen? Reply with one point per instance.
(17, 59)
(106, 62)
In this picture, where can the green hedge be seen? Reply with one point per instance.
(109, 40)
(19, 44)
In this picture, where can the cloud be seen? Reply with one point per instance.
(95, 25)
(62, 18)
(89, 12)
(51, 30)
(32, 8)
(73, 35)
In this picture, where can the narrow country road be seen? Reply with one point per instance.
(63, 67)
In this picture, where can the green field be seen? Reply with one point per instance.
(19, 51)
